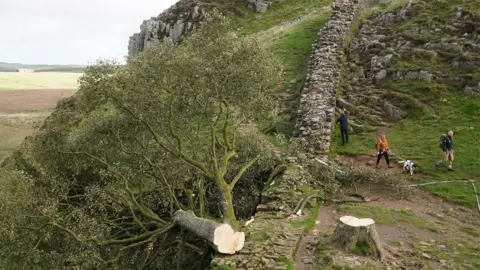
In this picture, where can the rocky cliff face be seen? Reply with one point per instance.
(181, 19)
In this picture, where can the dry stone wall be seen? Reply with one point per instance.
(318, 100)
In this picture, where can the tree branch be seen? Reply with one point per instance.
(138, 237)
(136, 244)
(229, 155)
(242, 171)
(140, 223)
(173, 199)
(181, 251)
(67, 230)
(146, 212)
(272, 176)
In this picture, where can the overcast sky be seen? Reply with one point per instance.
(71, 31)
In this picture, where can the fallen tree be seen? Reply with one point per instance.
(222, 237)
(140, 141)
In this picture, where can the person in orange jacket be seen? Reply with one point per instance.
(382, 150)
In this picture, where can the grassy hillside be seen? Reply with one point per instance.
(38, 80)
(289, 29)
(447, 107)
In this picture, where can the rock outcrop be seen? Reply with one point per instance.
(181, 19)
(393, 48)
(261, 5)
(318, 100)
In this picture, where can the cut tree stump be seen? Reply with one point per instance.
(221, 236)
(352, 233)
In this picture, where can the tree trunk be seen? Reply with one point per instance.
(227, 203)
(358, 235)
(221, 236)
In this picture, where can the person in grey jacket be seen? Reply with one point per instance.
(343, 120)
(447, 148)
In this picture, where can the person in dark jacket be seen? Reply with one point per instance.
(447, 147)
(343, 120)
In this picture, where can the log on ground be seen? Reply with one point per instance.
(221, 236)
(358, 236)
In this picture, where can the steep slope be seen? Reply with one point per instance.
(414, 67)
(295, 26)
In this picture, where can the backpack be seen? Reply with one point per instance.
(443, 137)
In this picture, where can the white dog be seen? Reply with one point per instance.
(408, 165)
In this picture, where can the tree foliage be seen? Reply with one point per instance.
(103, 176)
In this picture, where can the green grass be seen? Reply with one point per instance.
(458, 255)
(309, 223)
(288, 265)
(418, 140)
(386, 216)
(295, 44)
(358, 144)
(291, 43)
(416, 137)
(40, 80)
(278, 13)
(471, 231)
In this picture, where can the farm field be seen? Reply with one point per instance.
(38, 80)
(27, 99)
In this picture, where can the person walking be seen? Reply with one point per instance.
(446, 143)
(343, 120)
(382, 150)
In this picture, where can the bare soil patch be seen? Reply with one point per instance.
(20, 110)
(32, 99)
(443, 220)
(369, 162)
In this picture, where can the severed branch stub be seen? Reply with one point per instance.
(221, 236)
(352, 233)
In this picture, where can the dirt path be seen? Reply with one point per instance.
(369, 162)
(306, 250)
(427, 219)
